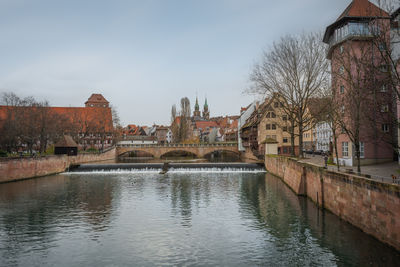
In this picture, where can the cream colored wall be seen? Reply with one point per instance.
(271, 149)
(279, 133)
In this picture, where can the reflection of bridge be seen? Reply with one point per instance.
(200, 150)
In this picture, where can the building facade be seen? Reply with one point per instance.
(359, 82)
(323, 136)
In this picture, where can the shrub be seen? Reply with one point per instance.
(91, 150)
(3, 153)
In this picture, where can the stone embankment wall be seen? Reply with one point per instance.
(18, 169)
(372, 206)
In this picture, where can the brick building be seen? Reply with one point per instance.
(359, 82)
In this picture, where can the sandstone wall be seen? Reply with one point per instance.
(372, 206)
(18, 169)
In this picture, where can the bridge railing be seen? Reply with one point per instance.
(178, 145)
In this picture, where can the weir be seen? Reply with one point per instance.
(172, 167)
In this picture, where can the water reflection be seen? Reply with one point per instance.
(32, 212)
(145, 219)
(287, 217)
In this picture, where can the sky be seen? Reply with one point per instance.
(144, 56)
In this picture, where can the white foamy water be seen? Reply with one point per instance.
(172, 170)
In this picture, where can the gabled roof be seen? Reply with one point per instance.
(66, 141)
(96, 98)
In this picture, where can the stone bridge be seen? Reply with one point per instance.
(157, 151)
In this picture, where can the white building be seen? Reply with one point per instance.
(169, 136)
(322, 136)
(244, 115)
(138, 140)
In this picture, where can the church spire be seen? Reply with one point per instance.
(196, 112)
(206, 113)
(196, 106)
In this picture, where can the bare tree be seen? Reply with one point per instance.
(296, 69)
(180, 125)
(359, 73)
(185, 119)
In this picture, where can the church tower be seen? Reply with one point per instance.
(196, 112)
(206, 113)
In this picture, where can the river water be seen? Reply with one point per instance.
(184, 219)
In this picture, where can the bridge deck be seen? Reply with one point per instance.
(157, 150)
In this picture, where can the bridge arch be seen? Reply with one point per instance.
(126, 152)
(182, 151)
(223, 151)
(200, 150)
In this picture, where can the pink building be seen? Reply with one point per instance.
(357, 43)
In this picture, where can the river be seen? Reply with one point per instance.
(184, 218)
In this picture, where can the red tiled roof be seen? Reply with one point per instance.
(96, 117)
(205, 124)
(97, 98)
(66, 141)
(363, 8)
(356, 9)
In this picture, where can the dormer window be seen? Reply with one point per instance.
(383, 88)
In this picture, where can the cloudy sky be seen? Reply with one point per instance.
(143, 56)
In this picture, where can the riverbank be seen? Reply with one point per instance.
(370, 205)
(27, 168)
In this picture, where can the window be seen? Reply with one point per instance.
(383, 88)
(383, 68)
(268, 127)
(385, 108)
(342, 89)
(273, 126)
(285, 140)
(361, 149)
(382, 47)
(268, 115)
(341, 70)
(276, 104)
(284, 117)
(342, 109)
(341, 49)
(273, 115)
(281, 104)
(385, 128)
(284, 128)
(345, 149)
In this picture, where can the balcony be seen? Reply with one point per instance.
(352, 30)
